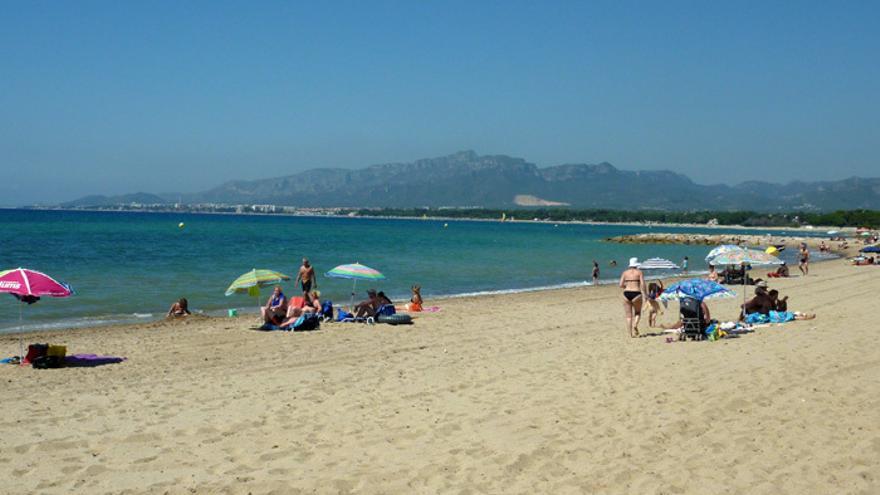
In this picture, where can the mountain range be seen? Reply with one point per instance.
(466, 179)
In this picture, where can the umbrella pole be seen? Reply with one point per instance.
(20, 342)
(259, 307)
(353, 287)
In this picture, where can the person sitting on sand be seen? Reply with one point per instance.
(295, 307)
(655, 288)
(632, 281)
(276, 306)
(713, 274)
(383, 299)
(368, 307)
(781, 272)
(180, 308)
(778, 304)
(415, 302)
(761, 303)
(311, 302)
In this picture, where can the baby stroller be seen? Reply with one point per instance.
(692, 325)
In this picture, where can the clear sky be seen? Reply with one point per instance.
(114, 97)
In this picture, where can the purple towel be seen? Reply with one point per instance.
(81, 360)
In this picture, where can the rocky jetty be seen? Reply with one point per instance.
(714, 239)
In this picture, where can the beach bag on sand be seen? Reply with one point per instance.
(327, 310)
(342, 315)
(308, 321)
(36, 351)
(386, 310)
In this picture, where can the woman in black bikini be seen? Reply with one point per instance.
(632, 281)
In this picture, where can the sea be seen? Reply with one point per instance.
(131, 266)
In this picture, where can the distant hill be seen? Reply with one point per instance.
(496, 181)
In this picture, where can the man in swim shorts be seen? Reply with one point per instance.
(306, 275)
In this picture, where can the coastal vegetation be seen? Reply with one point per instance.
(840, 218)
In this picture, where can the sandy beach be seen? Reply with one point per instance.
(525, 393)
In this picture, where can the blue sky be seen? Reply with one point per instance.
(115, 97)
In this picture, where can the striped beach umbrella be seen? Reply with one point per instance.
(724, 248)
(255, 278)
(745, 257)
(658, 264)
(355, 272)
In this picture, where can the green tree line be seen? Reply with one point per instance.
(841, 218)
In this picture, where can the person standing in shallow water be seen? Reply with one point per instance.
(632, 281)
(595, 272)
(306, 275)
(684, 264)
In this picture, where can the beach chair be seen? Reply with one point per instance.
(691, 319)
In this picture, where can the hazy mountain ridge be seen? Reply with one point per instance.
(468, 179)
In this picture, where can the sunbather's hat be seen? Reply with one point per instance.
(633, 262)
(761, 284)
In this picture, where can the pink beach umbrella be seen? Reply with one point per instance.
(28, 286)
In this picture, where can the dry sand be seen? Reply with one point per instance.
(529, 393)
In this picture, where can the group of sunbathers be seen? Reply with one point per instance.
(767, 302)
(282, 312)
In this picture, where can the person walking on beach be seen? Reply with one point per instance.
(632, 281)
(684, 264)
(306, 275)
(804, 259)
(595, 272)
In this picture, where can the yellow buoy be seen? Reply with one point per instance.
(180, 225)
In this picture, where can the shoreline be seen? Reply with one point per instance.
(818, 230)
(486, 396)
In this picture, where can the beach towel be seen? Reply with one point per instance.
(781, 316)
(90, 360)
(753, 318)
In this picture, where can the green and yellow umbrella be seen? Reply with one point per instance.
(253, 280)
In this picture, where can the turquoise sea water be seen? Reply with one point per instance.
(132, 266)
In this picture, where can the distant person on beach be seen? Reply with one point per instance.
(383, 299)
(180, 308)
(415, 302)
(311, 302)
(713, 274)
(761, 303)
(655, 288)
(632, 281)
(781, 272)
(595, 272)
(276, 306)
(804, 259)
(684, 264)
(368, 307)
(306, 275)
(778, 304)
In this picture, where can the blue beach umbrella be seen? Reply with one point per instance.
(698, 288)
(870, 249)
